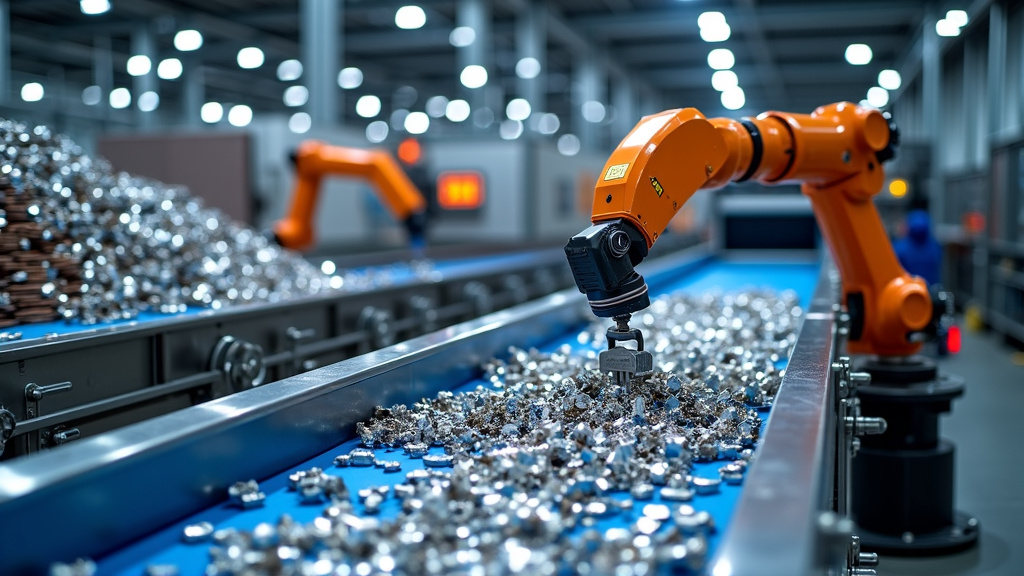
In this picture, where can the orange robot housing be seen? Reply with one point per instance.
(314, 160)
(835, 153)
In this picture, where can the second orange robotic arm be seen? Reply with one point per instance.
(314, 160)
(835, 153)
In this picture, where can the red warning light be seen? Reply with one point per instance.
(953, 340)
(409, 151)
(460, 190)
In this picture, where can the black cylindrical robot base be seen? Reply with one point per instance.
(902, 481)
(898, 491)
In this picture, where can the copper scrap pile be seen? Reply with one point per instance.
(32, 270)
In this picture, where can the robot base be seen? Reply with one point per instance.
(902, 482)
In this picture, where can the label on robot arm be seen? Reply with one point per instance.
(615, 172)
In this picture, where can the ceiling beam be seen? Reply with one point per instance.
(682, 21)
(767, 70)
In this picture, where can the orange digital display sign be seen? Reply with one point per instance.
(460, 190)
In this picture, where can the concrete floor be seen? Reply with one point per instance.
(987, 426)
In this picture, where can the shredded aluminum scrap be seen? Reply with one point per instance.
(544, 453)
(87, 243)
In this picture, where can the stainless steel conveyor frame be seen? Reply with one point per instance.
(109, 489)
(87, 382)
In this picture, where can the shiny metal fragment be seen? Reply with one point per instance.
(642, 492)
(438, 460)
(705, 486)
(343, 460)
(416, 449)
(392, 466)
(162, 570)
(360, 457)
(694, 523)
(80, 567)
(676, 494)
(198, 532)
(246, 494)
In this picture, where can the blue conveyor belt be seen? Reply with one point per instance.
(398, 274)
(166, 547)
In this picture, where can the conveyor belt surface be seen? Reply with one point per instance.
(166, 547)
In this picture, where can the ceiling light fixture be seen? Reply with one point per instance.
(410, 17)
(139, 65)
(436, 106)
(289, 70)
(462, 36)
(417, 123)
(120, 98)
(377, 131)
(946, 28)
(300, 123)
(510, 129)
(593, 111)
(240, 115)
(528, 68)
(350, 78)
(878, 96)
(958, 18)
(92, 95)
(296, 96)
(149, 101)
(713, 27)
(211, 112)
(722, 80)
(169, 69)
(368, 106)
(721, 59)
(568, 145)
(457, 111)
(32, 92)
(473, 76)
(518, 109)
(734, 98)
(858, 54)
(250, 57)
(94, 7)
(889, 79)
(188, 40)
(548, 123)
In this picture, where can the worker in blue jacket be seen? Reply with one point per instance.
(918, 251)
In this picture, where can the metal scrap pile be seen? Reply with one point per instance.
(546, 453)
(87, 243)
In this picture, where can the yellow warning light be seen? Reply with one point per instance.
(898, 188)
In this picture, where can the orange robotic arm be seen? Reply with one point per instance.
(835, 153)
(314, 160)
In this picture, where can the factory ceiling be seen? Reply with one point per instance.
(788, 54)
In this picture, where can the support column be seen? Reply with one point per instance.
(531, 42)
(103, 71)
(624, 101)
(5, 51)
(143, 42)
(476, 14)
(588, 85)
(931, 92)
(996, 72)
(320, 37)
(194, 92)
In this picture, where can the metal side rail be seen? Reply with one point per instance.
(785, 522)
(84, 383)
